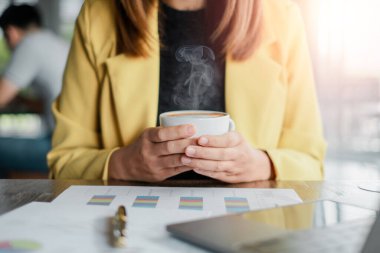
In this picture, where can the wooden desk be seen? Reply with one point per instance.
(15, 193)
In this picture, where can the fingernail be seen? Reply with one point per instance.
(190, 151)
(186, 160)
(203, 141)
(197, 171)
(190, 130)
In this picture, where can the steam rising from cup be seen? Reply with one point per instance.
(197, 85)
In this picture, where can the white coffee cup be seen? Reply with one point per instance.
(205, 122)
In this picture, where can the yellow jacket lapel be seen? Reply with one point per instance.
(135, 87)
(254, 88)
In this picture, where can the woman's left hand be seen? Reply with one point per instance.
(228, 158)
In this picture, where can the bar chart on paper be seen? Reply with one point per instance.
(214, 200)
(101, 200)
(236, 204)
(191, 203)
(146, 201)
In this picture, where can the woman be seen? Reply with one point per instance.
(122, 72)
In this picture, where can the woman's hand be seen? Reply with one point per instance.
(155, 156)
(228, 158)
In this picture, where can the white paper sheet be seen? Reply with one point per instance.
(79, 219)
(214, 200)
(73, 228)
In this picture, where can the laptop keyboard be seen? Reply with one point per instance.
(343, 238)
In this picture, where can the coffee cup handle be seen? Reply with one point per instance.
(231, 126)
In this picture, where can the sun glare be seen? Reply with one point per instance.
(349, 33)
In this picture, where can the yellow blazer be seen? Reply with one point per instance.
(108, 99)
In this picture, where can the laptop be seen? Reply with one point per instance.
(320, 226)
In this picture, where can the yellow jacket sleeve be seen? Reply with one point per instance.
(77, 149)
(301, 148)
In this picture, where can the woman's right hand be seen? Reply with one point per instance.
(154, 156)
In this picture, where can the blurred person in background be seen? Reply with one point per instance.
(37, 61)
(129, 57)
